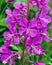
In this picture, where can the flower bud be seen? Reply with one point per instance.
(9, 0)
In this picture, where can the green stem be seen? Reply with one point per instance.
(48, 57)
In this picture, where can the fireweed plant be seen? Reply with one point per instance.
(29, 32)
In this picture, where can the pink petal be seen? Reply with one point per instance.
(11, 61)
(28, 41)
(19, 5)
(38, 63)
(46, 38)
(33, 32)
(5, 50)
(47, 19)
(9, 12)
(21, 30)
(4, 58)
(32, 23)
(7, 35)
(23, 22)
(37, 40)
(37, 49)
(7, 43)
(16, 40)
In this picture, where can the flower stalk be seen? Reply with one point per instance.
(23, 53)
(27, 8)
(25, 40)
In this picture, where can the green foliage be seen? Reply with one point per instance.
(50, 3)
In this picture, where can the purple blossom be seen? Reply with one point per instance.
(34, 37)
(38, 3)
(11, 35)
(35, 28)
(11, 61)
(27, 27)
(11, 18)
(37, 49)
(42, 35)
(28, 45)
(6, 55)
(12, 28)
(41, 26)
(20, 9)
(38, 63)
(33, 48)
(44, 17)
(9, 38)
(44, 11)
(9, 0)
(32, 2)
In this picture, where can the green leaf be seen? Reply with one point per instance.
(50, 3)
(2, 22)
(17, 48)
(21, 0)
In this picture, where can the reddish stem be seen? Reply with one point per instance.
(25, 39)
(23, 53)
(27, 8)
(29, 61)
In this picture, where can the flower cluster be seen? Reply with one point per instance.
(8, 55)
(38, 3)
(32, 31)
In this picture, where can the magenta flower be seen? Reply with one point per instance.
(37, 49)
(42, 35)
(11, 18)
(20, 9)
(9, 0)
(12, 29)
(38, 3)
(44, 17)
(41, 3)
(34, 37)
(34, 28)
(11, 35)
(28, 45)
(32, 2)
(38, 63)
(44, 11)
(9, 38)
(27, 27)
(6, 55)
(41, 26)
(33, 48)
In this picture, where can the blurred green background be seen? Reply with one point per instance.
(47, 57)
